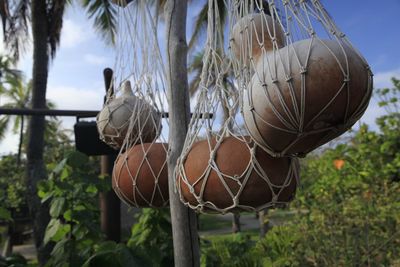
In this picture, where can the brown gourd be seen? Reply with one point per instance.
(140, 175)
(200, 184)
(312, 93)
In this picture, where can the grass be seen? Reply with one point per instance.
(211, 222)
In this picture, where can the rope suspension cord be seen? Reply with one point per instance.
(131, 119)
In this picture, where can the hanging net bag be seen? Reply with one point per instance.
(298, 83)
(131, 119)
(304, 83)
(221, 168)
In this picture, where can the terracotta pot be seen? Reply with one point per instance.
(253, 32)
(203, 188)
(140, 175)
(291, 108)
(115, 118)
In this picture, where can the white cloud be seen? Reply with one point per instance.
(73, 34)
(66, 97)
(9, 144)
(383, 79)
(70, 98)
(95, 59)
(2, 48)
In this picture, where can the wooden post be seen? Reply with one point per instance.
(184, 221)
(264, 226)
(110, 210)
(110, 213)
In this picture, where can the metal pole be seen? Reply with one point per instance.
(66, 113)
(110, 210)
(184, 221)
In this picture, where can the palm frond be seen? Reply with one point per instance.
(16, 124)
(16, 33)
(104, 14)
(200, 26)
(6, 69)
(3, 126)
(55, 14)
(4, 14)
(195, 69)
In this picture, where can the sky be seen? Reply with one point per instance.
(76, 81)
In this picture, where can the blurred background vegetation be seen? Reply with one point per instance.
(346, 212)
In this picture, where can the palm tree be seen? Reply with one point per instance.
(46, 24)
(18, 96)
(7, 71)
(7, 74)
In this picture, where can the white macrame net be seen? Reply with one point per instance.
(231, 69)
(140, 171)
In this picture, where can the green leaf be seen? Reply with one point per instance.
(57, 207)
(52, 229)
(116, 256)
(64, 174)
(68, 215)
(77, 159)
(60, 166)
(5, 214)
(91, 189)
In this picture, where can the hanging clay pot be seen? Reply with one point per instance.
(128, 114)
(253, 33)
(234, 175)
(305, 95)
(140, 175)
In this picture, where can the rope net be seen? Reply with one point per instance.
(131, 119)
(280, 79)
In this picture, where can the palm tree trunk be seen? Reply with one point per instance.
(21, 139)
(36, 170)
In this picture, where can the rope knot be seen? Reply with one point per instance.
(303, 70)
(288, 79)
(235, 201)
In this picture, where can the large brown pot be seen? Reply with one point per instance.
(310, 92)
(140, 175)
(234, 179)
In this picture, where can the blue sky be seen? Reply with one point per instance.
(76, 82)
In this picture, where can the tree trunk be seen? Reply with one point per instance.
(110, 205)
(184, 221)
(21, 140)
(264, 225)
(236, 223)
(36, 169)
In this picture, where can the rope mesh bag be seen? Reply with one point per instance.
(221, 168)
(304, 83)
(131, 119)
